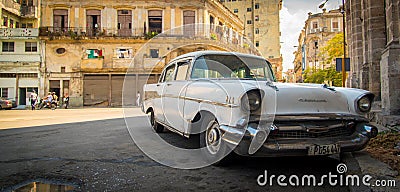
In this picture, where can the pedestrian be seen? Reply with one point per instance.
(138, 99)
(55, 98)
(66, 100)
(33, 98)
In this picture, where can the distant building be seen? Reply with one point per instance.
(262, 27)
(20, 49)
(91, 44)
(299, 58)
(290, 76)
(318, 30)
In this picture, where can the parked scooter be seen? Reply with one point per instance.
(50, 105)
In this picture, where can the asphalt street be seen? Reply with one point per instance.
(100, 155)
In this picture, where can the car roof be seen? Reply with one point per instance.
(202, 53)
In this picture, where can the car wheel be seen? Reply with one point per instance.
(157, 127)
(213, 147)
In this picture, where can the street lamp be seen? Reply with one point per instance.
(342, 10)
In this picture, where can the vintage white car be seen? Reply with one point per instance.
(233, 103)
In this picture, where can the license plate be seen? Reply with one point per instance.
(324, 149)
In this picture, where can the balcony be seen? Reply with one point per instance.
(28, 11)
(87, 32)
(96, 63)
(11, 6)
(19, 33)
(221, 36)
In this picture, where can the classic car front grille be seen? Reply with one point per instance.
(332, 132)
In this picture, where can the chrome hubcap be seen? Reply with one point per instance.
(213, 138)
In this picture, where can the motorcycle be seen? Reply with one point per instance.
(50, 105)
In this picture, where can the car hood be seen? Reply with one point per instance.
(309, 99)
(279, 98)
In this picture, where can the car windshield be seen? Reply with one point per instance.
(231, 67)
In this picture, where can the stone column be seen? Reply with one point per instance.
(355, 40)
(376, 43)
(390, 63)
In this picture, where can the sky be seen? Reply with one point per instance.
(293, 15)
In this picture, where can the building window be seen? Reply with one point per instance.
(155, 21)
(94, 53)
(60, 51)
(125, 23)
(60, 19)
(257, 31)
(257, 6)
(62, 69)
(257, 43)
(314, 25)
(4, 92)
(30, 47)
(30, 25)
(5, 21)
(249, 22)
(236, 10)
(11, 23)
(8, 47)
(154, 53)
(335, 25)
(249, 9)
(124, 53)
(315, 45)
(256, 18)
(93, 22)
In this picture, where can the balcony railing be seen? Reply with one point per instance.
(83, 32)
(18, 32)
(220, 35)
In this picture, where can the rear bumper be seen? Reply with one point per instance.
(241, 139)
(7, 106)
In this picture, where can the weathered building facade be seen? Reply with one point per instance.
(374, 48)
(91, 45)
(20, 55)
(262, 27)
(318, 30)
(299, 58)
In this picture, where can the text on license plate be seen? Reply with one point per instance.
(323, 149)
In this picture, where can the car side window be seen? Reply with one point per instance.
(169, 73)
(182, 70)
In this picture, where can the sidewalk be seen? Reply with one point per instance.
(28, 118)
(361, 163)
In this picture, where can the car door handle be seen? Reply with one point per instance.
(158, 85)
(168, 84)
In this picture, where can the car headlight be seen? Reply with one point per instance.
(364, 104)
(251, 101)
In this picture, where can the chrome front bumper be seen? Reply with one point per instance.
(250, 141)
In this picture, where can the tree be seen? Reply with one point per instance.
(332, 50)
